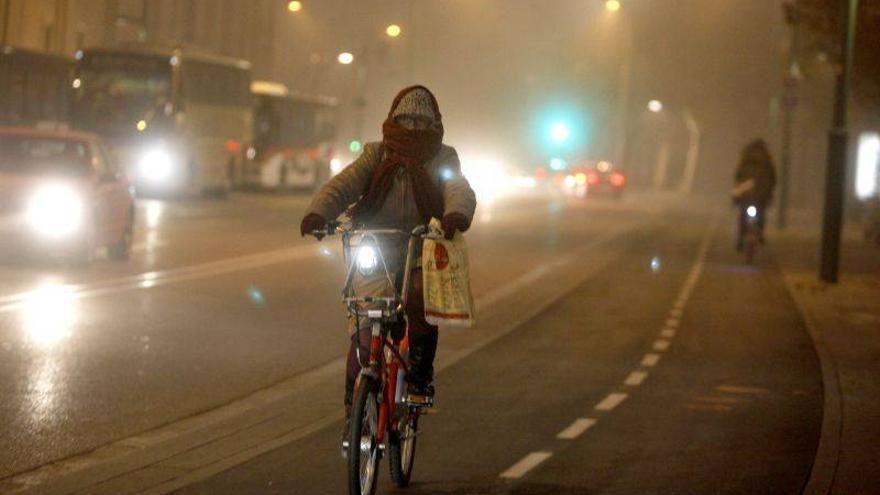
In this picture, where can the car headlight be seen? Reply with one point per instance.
(156, 165)
(55, 211)
(367, 260)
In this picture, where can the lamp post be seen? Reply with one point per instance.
(360, 61)
(835, 174)
(693, 151)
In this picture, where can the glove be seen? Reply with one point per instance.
(452, 222)
(312, 222)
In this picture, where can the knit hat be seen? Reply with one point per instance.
(417, 101)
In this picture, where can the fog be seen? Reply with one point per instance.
(501, 69)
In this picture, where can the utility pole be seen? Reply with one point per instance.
(6, 12)
(835, 175)
(789, 104)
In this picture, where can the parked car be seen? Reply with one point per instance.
(61, 196)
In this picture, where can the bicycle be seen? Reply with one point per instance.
(752, 234)
(383, 417)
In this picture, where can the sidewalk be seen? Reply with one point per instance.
(844, 322)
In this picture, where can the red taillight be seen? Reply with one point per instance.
(592, 179)
(618, 179)
(540, 173)
(233, 146)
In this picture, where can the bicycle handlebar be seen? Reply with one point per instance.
(336, 227)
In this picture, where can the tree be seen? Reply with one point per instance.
(821, 19)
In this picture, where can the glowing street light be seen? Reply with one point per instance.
(612, 5)
(345, 58)
(655, 106)
(559, 132)
(393, 30)
(294, 6)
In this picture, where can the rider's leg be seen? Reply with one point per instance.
(741, 227)
(359, 338)
(422, 340)
(762, 209)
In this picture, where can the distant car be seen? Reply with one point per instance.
(60, 195)
(594, 179)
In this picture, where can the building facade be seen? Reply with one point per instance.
(237, 28)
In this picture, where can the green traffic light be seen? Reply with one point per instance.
(355, 146)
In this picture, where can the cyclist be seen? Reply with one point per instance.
(399, 183)
(755, 179)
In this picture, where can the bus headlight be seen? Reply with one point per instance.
(155, 166)
(367, 260)
(55, 211)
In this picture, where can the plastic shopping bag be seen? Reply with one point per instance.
(447, 283)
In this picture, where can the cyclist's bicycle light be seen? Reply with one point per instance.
(367, 260)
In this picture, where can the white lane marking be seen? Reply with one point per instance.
(635, 378)
(149, 280)
(650, 359)
(668, 333)
(611, 401)
(707, 407)
(148, 246)
(735, 389)
(525, 465)
(672, 322)
(717, 400)
(676, 312)
(576, 429)
(661, 345)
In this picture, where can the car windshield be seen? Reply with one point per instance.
(24, 155)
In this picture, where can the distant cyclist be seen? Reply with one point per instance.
(755, 181)
(400, 183)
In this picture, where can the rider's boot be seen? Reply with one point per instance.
(422, 349)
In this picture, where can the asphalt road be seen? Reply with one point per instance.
(672, 367)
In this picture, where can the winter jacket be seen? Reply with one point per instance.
(399, 210)
(759, 169)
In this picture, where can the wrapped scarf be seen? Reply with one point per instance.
(409, 149)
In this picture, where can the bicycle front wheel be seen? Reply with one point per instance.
(403, 447)
(363, 443)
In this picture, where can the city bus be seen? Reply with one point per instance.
(293, 138)
(35, 87)
(177, 120)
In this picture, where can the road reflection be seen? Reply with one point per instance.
(49, 314)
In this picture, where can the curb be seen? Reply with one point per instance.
(824, 468)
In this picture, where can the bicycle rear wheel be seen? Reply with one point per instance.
(363, 444)
(403, 447)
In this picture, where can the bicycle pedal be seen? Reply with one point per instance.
(425, 401)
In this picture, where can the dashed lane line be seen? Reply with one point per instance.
(611, 401)
(525, 465)
(650, 359)
(635, 378)
(576, 429)
(661, 345)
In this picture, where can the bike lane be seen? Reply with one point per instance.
(623, 384)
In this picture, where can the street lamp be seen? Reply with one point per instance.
(393, 30)
(612, 5)
(345, 58)
(294, 6)
(559, 132)
(655, 106)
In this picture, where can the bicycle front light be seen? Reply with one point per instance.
(752, 212)
(367, 260)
